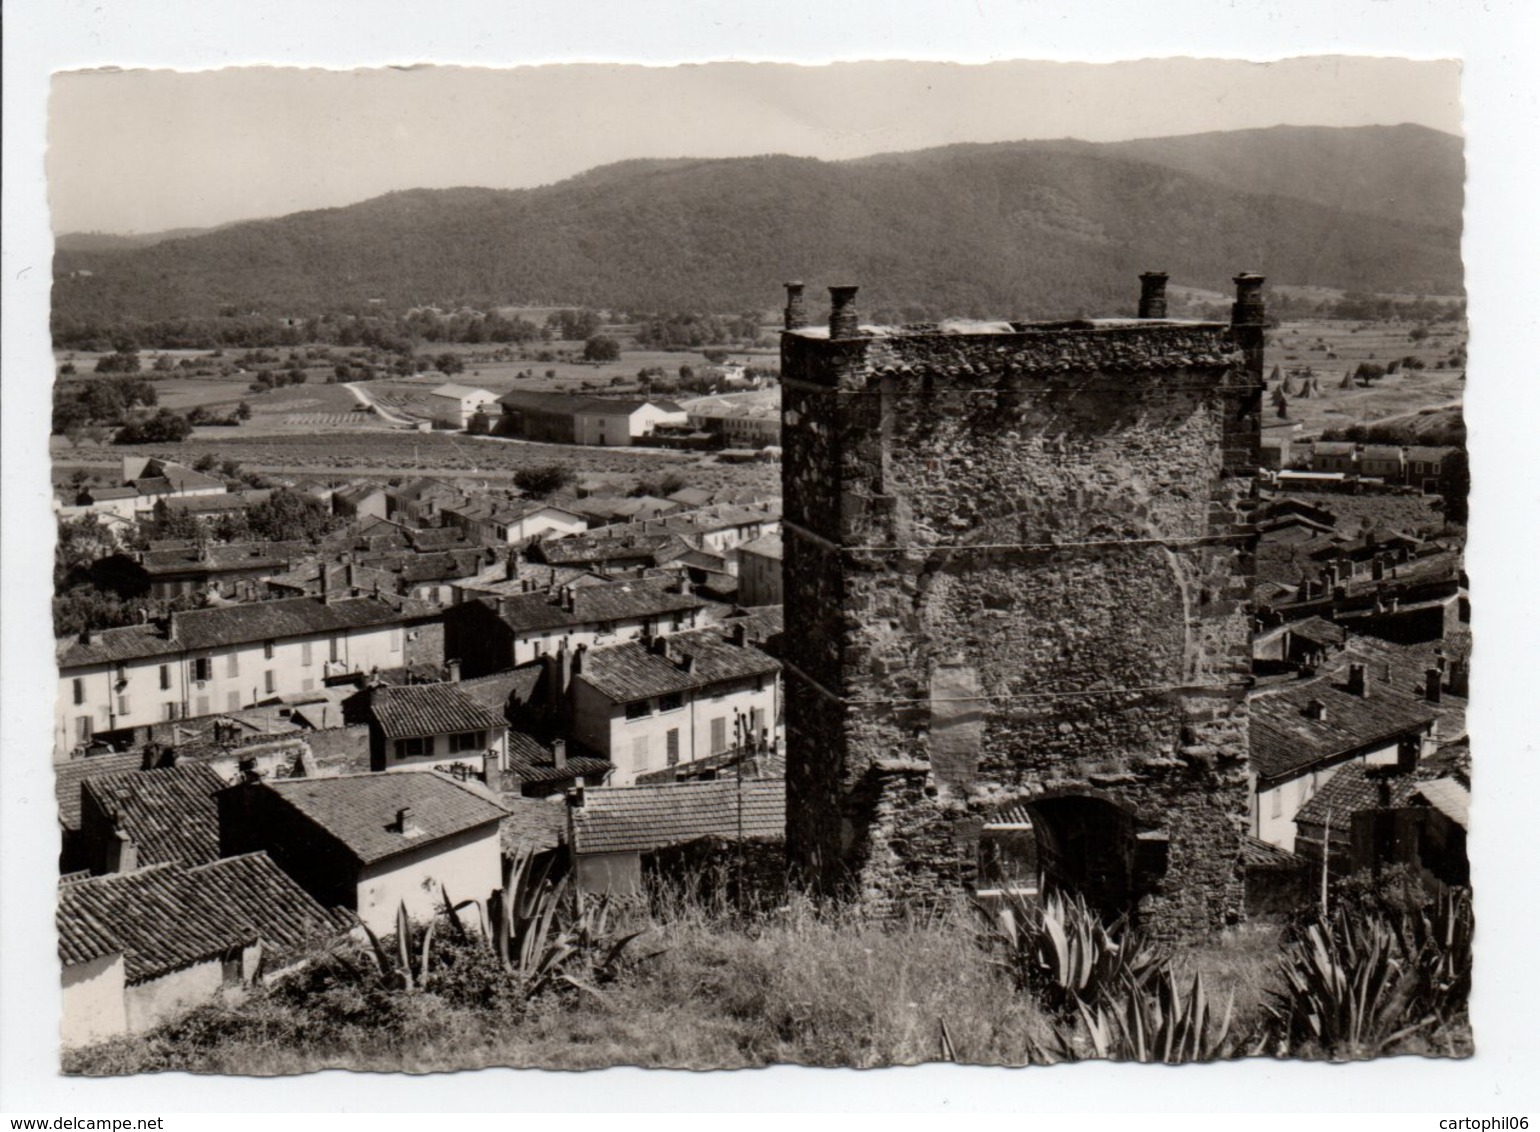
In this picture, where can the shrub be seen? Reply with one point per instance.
(1060, 952)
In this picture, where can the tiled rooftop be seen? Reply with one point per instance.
(1349, 791)
(624, 819)
(594, 605)
(1285, 740)
(68, 776)
(360, 810)
(170, 813)
(633, 671)
(408, 710)
(225, 625)
(170, 916)
(1449, 798)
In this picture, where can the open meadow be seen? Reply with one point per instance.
(1331, 349)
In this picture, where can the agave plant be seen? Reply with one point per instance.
(1439, 943)
(397, 968)
(1157, 1021)
(1060, 951)
(1345, 988)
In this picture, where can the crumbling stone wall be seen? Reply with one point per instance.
(1018, 561)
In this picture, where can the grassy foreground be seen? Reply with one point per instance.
(703, 988)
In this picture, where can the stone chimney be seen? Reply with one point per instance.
(740, 634)
(843, 319)
(559, 753)
(796, 310)
(1248, 319)
(577, 659)
(512, 572)
(658, 646)
(1152, 294)
(122, 853)
(1433, 685)
(406, 823)
(686, 664)
(454, 670)
(1358, 681)
(568, 599)
(1316, 710)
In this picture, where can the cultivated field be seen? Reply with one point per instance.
(1334, 349)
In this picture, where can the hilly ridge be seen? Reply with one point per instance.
(1037, 229)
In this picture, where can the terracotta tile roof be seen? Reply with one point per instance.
(170, 813)
(225, 625)
(594, 605)
(221, 557)
(170, 916)
(1256, 853)
(528, 761)
(215, 504)
(503, 690)
(1285, 740)
(359, 810)
(600, 546)
(622, 819)
(632, 671)
(534, 823)
(408, 710)
(1319, 631)
(767, 546)
(83, 934)
(1449, 798)
(68, 776)
(1349, 791)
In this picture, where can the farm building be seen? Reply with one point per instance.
(567, 418)
(454, 405)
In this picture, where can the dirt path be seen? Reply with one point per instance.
(368, 400)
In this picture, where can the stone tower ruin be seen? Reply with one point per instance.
(1017, 566)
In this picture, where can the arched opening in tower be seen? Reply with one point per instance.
(1079, 843)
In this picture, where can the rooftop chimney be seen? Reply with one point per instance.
(1434, 686)
(559, 753)
(454, 670)
(1152, 294)
(842, 312)
(1247, 322)
(122, 853)
(740, 634)
(1248, 309)
(796, 311)
(686, 664)
(406, 824)
(575, 797)
(1358, 680)
(658, 646)
(1315, 710)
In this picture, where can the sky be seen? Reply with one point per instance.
(145, 151)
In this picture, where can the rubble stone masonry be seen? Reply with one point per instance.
(1018, 565)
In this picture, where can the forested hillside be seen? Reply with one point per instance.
(1036, 229)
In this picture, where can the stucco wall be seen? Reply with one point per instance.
(1055, 520)
(238, 678)
(93, 1004)
(469, 865)
(637, 746)
(154, 1001)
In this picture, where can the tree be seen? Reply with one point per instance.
(243, 412)
(480, 424)
(165, 427)
(449, 364)
(121, 361)
(206, 463)
(601, 348)
(544, 479)
(288, 516)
